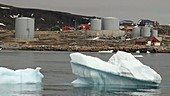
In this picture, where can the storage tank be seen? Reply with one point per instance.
(154, 33)
(96, 24)
(110, 23)
(136, 32)
(146, 31)
(24, 28)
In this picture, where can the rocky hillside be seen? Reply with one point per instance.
(44, 19)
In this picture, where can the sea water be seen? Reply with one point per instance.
(58, 75)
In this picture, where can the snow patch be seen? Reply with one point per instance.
(2, 24)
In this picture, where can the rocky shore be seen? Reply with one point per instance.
(133, 49)
(76, 41)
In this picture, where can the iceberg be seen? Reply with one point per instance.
(20, 76)
(121, 69)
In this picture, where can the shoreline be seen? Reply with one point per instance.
(133, 49)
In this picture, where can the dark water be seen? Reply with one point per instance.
(58, 76)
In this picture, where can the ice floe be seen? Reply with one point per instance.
(20, 76)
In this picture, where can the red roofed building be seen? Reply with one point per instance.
(141, 41)
(84, 27)
(66, 28)
(151, 41)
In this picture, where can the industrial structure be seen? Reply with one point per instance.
(24, 28)
(144, 22)
(105, 27)
(110, 23)
(96, 24)
(149, 36)
(136, 31)
(144, 31)
(154, 33)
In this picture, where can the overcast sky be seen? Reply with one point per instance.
(123, 9)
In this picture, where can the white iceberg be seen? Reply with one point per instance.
(121, 69)
(20, 76)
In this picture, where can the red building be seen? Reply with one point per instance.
(65, 28)
(141, 41)
(84, 27)
(151, 41)
(154, 41)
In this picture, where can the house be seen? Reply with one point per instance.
(141, 41)
(154, 41)
(127, 25)
(151, 41)
(84, 27)
(67, 28)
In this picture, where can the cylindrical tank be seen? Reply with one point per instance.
(146, 31)
(136, 32)
(96, 24)
(154, 33)
(110, 23)
(24, 28)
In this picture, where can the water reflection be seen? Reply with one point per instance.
(20, 89)
(115, 91)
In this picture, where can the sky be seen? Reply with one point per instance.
(135, 10)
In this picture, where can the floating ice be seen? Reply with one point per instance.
(20, 76)
(137, 55)
(121, 69)
(107, 51)
(4, 7)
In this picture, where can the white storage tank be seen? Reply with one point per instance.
(96, 24)
(136, 32)
(154, 33)
(110, 23)
(146, 31)
(24, 28)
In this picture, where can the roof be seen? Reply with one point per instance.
(127, 23)
(153, 39)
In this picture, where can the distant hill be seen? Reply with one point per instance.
(44, 19)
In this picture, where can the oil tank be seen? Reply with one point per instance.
(96, 24)
(154, 33)
(110, 23)
(24, 28)
(146, 31)
(136, 32)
